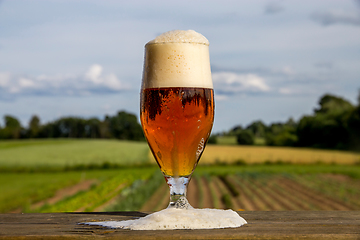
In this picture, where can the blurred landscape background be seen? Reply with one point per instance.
(287, 114)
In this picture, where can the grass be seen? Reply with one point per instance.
(98, 195)
(84, 154)
(20, 190)
(68, 153)
(231, 140)
(260, 141)
(135, 196)
(74, 158)
(226, 140)
(6, 144)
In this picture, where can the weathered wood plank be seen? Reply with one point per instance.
(261, 225)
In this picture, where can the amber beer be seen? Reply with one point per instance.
(177, 122)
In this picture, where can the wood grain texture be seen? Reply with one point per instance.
(261, 225)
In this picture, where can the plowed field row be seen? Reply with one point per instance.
(260, 192)
(249, 191)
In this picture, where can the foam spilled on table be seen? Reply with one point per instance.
(173, 218)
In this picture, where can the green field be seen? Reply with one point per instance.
(69, 153)
(22, 190)
(231, 140)
(131, 188)
(109, 175)
(72, 154)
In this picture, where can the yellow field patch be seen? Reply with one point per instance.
(260, 154)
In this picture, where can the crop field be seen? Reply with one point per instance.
(109, 175)
(236, 154)
(263, 154)
(62, 153)
(67, 191)
(257, 187)
(252, 191)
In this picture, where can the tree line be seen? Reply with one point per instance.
(335, 124)
(122, 125)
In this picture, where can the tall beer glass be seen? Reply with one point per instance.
(177, 106)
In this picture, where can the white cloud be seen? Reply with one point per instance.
(233, 83)
(221, 97)
(26, 83)
(300, 90)
(91, 82)
(94, 73)
(285, 91)
(4, 79)
(112, 82)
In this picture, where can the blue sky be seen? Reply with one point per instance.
(270, 60)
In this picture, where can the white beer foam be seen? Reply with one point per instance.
(177, 59)
(180, 36)
(172, 218)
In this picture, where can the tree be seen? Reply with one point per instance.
(330, 104)
(353, 125)
(12, 129)
(71, 127)
(212, 139)
(328, 127)
(34, 127)
(235, 130)
(125, 126)
(245, 137)
(2, 133)
(258, 129)
(104, 128)
(67, 127)
(284, 138)
(282, 134)
(92, 128)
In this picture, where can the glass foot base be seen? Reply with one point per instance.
(178, 188)
(181, 203)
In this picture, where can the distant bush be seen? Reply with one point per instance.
(283, 139)
(245, 137)
(212, 139)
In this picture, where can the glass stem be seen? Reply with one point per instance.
(178, 187)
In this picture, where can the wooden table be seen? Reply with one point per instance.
(261, 225)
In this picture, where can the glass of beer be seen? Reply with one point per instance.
(177, 106)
